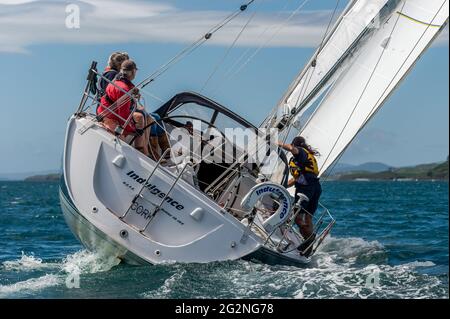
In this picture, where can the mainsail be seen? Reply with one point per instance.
(352, 25)
(363, 59)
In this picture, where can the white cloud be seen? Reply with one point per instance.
(9, 2)
(113, 21)
(25, 23)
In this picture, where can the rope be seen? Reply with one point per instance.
(301, 96)
(245, 53)
(279, 27)
(189, 49)
(216, 68)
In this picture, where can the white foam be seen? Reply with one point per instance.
(350, 247)
(30, 285)
(416, 263)
(88, 262)
(27, 263)
(166, 288)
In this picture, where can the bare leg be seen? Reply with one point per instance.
(164, 144)
(110, 124)
(140, 143)
(305, 223)
(154, 148)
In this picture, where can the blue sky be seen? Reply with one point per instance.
(44, 67)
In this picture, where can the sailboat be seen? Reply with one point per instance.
(121, 203)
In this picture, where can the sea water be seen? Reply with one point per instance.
(390, 241)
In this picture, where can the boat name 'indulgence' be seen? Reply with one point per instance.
(276, 191)
(155, 190)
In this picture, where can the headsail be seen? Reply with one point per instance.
(359, 86)
(353, 24)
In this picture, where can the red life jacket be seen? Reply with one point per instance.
(123, 109)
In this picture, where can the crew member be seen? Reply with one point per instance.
(305, 171)
(122, 105)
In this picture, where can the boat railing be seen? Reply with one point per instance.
(323, 223)
(95, 101)
(321, 227)
(139, 194)
(158, 208)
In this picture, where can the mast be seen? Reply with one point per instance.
(354, 23)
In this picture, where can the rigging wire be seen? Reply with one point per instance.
(279, 27)
(261, 35)
(183, 53)
(314, 62)
(312, 68)
(192, 47)
(220, 62)
(372, 113)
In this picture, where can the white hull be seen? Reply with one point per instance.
(97, 190)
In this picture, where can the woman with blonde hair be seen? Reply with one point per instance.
(114, 63)
(123, 105)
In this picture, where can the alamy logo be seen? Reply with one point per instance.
(373, 280)
(73, 280)
(72, 16)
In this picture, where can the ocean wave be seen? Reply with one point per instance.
(342, 268)
(167, 287)
(81, 262)
(372, 281)
(85, 261)
(27, 263)
(351, 250)
(335, 272)
(416, 264)
(30, 286)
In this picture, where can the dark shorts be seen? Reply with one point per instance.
(313, 192)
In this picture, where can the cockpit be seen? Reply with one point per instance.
(220, 145)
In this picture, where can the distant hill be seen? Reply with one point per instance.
(43, 178)
(23, 176)
(373, 167)
(437, 171)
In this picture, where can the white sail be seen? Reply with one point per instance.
(370, 77)
(353, 24)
